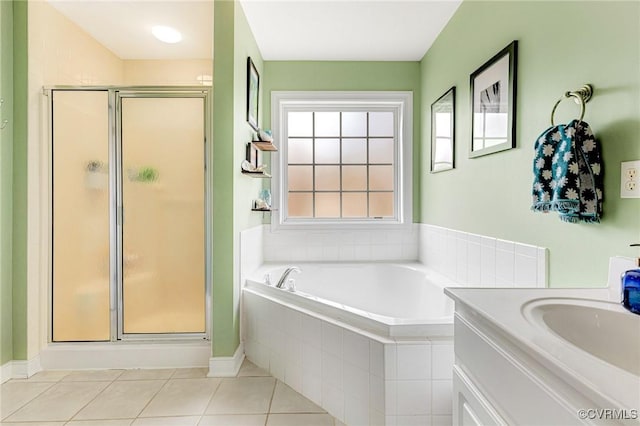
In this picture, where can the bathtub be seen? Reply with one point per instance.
(371, 343)
(388, 299)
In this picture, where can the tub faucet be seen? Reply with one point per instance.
(286, 273)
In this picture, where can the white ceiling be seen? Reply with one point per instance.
(124, 27)
(392, 30)
(374, 30)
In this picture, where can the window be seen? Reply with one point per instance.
(344, 158)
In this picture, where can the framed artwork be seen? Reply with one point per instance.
(253, 89)
(443, 132)
(493, 103)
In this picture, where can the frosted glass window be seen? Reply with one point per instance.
(381, 124)
(327, 178)
(328, 204)
(346, 163)
(354, 204)
(300, 124)
(381, 151)
(327, 124)
(327, 151)
(354, 178)
(354, 151)
(380, 204)
(300, 151)
(354, 124)
(300, 178)
(381, 178)
(300, 204)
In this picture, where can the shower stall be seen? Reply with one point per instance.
(129, 214)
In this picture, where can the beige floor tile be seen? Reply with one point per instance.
(234, 420)
(48, 376)
(151, 374)
(92, 376)
(243, 395)
(286, 400)
(33, 424)
(184, 397)
(190, 373)
(299, 420)
(15, 394)
(119, 422)
(167, 421)
(249, 369)
(60, 402)
(121, 400)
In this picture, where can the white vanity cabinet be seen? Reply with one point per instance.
(500, 376)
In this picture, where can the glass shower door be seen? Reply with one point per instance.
(162, 214)
(80, 213)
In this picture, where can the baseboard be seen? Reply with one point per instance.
(85, 356)
(20, 369)
(226, 366)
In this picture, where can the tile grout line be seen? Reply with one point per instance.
(210, 399)
(92, 399)
(51, 384)
(150, 399)
(273, 394)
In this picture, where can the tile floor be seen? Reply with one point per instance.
(181, 397)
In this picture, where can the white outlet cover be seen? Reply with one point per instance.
(630, 179)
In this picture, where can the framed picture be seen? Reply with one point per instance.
(443, 132)
(493, 103)
(253, 89)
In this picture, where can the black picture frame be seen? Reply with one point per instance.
(253, 94)
(443, 132)
(493, 112)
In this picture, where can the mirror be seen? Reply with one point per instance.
(443, 132)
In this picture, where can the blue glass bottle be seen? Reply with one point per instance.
(631, 289)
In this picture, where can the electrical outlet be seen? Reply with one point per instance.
(629, 180)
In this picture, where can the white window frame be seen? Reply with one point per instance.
(283, 102)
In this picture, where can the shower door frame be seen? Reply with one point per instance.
(115, 95)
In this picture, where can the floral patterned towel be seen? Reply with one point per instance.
(568, 173)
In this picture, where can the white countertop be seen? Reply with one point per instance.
(505, 309)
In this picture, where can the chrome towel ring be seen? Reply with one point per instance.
(581, 96)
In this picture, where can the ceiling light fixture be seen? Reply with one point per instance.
(166, 34)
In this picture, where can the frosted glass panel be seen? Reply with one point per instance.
(381, 178)
(354, 151)
(328, 151)
(328, 204)
(354, 178)
(327, 124)
(381, 124)
(163, 227)
(80, 216)
(300, 204)
(381, 151)
(327, 178)
(381, 204)
(300, 151)
(354, 204)
(300, 178)
(354, 124)
(300, 124)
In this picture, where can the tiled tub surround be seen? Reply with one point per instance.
(358, 375)
(477, 261)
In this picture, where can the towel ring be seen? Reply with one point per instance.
(581, 96)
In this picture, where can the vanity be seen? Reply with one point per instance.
(544, 357)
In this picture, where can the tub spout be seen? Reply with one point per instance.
(286, 273)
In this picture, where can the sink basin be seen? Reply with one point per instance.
(603, 329)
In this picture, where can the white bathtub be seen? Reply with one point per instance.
(371, 343)
(389, 299)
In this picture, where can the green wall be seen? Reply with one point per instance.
(562, 45)
(330, 75)
(19, 237)
(232, 191)
(6, 170)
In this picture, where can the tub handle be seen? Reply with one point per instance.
(267, 279)
(291, 285)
